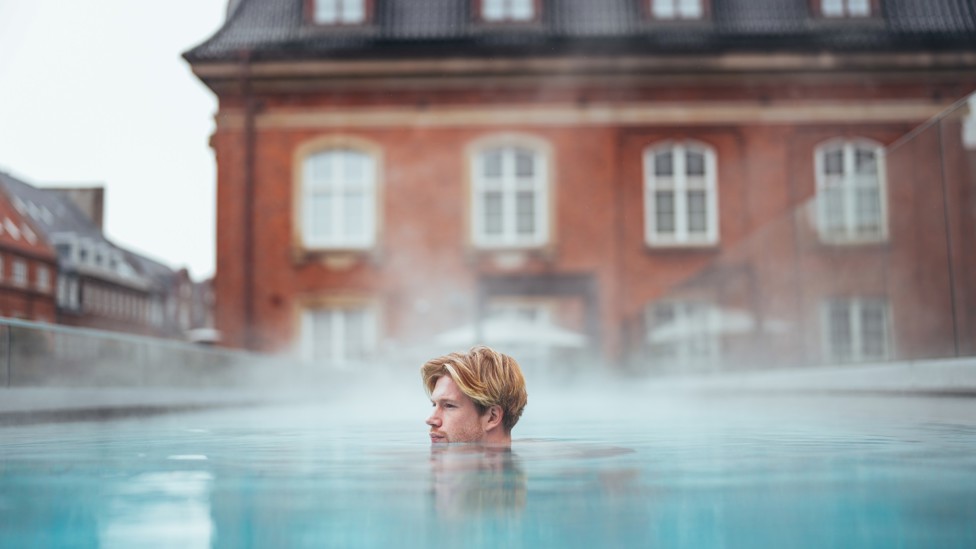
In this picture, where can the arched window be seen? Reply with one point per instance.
(338, 199)
(680, 194)
(850, 191)
(510, 198)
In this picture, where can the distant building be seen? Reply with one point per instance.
(28, 268)
(91, 282)
(392, 170)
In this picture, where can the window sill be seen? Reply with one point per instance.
(532, 25)
(652, 23)
(511, 258)
(338, 259)
(863, 21)
(683, 247)
(851, 243)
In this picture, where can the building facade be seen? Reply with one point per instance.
(62, 269)
(607, 175)
(28, 269)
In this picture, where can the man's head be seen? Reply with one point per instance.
(478, 396)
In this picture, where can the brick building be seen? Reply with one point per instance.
(28, 268)
(658, 181)
(62, 268)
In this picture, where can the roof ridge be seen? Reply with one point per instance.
(224, 28)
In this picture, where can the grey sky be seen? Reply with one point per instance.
(94, 92)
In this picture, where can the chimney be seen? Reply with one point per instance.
(91, 201)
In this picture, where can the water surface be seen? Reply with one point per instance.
(704, 471)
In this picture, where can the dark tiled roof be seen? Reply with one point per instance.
(64, 216)
(58, 214)
(276, 29)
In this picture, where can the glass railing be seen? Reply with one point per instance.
(877, 264)
(37, 354)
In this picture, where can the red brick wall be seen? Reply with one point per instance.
(765, 175)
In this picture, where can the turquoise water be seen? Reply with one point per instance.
(841, 472)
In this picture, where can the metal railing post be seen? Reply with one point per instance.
(9, 354)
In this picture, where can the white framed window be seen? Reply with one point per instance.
(19, 274)
(510, 197)
(680, 194)
(340, 12)
(683, 332)
(508, 10)
(43, 279)
(339, 199)
(677, 9)
(845, 8)
(856, 329)
(851, 199)
(337, 336)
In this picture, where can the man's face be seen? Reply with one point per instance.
(455, 417)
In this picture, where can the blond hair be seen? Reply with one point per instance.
(486, 376)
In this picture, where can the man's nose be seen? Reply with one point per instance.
(434, 420)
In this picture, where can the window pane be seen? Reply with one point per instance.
(326, 11)
(868, 211)
(865, 162)
(664, 164)
(695, 163)
(355, 215)
(356, 344)
(354, 11)
(354, 166)
(832, 8)
(873, 340)
(663, 314)
(320, 168)
(834, 162)
(690, 9)
(492, 10)
(493, 213)
(492, 164)
(522, 10)
(664, 211)
(525, 213)
(663, 9)
(524, 165)
(859, 8)
(697, 214)
(322, 327)
(834, 210)
(839, 326)
(321, 212)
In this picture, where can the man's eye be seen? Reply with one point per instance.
(450, 406)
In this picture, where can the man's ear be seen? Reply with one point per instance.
(493, 417)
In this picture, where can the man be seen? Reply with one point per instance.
(478, 396)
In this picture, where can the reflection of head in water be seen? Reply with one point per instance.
(475, 479)
(478, 396)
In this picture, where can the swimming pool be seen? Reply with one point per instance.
(622, 470)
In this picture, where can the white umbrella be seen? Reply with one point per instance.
(715, 321)
(506, 329)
